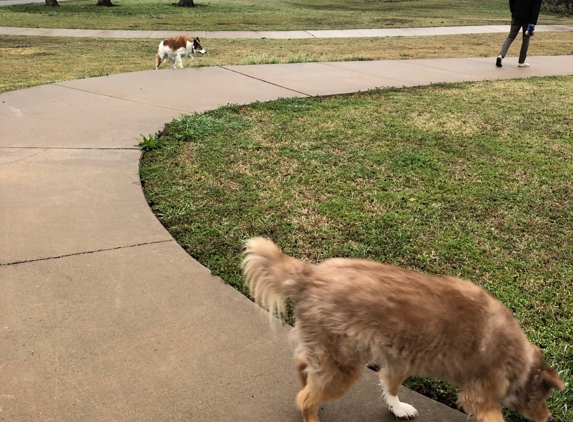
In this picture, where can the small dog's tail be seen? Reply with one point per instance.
(270, 275)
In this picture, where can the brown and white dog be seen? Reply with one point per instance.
(176, 47)
(350, 312)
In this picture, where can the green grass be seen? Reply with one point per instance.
(472, 180)
(266, 15)
(30, 61)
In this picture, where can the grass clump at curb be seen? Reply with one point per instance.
(31, 61)
(472, 180)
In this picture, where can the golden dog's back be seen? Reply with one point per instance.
(434, 326)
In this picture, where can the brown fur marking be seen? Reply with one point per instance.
(174, 43)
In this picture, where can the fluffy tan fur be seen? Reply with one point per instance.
(350, 312)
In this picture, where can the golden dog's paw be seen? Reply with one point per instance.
(404, 410)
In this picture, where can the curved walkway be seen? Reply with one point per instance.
(103, 316)
(339, 33)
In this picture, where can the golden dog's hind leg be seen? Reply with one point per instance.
(301, 366)
(331, 384)
(308, 401)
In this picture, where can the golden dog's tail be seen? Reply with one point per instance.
(271, 276)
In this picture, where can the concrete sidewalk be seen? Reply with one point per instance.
(103, 316)
(341, 33)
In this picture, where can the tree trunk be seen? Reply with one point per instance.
(106, 3)
(184, 3)
(52, 3)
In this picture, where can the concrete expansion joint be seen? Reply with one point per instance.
(267, 82)
(49, 258)
(365, 73)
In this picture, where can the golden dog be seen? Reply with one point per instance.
(350, 312)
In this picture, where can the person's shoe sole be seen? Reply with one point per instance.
(498, 62)
(523, 65)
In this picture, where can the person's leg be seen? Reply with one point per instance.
(524, 47)
(513, 31)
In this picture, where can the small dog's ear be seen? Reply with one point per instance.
(552, 380)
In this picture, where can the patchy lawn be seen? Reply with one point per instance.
(226, 15)
(473, 180)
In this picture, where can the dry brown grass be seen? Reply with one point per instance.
(268, 15)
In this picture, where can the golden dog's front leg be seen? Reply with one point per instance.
(490, 416)
(390, 384)
(476, 401)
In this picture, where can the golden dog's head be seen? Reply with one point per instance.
(530, 399)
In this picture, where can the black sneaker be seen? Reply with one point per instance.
(498, 62)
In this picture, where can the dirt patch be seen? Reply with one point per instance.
(393, 21)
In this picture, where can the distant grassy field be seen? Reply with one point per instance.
(30, 61)
(472, 180)
(263, 15)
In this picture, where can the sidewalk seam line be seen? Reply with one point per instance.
(267, 82)
(333, 64)
(26, 261)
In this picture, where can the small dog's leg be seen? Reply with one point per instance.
(390, 385)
